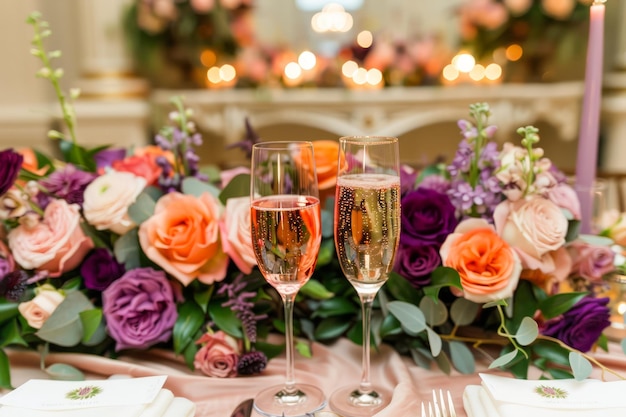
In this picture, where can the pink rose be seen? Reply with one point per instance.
(489, 269)
(566, 198)
(218, 356)
(591, 261)
(534, 227)
(236, 235)
(40, 308)
(56, 244)
(183, 238)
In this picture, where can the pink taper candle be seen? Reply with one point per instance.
(589, 121)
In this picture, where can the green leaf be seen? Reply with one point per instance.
(64, 372)
(331, 328)
(5, 371)
(552, 352)
(580, 366)
(558, 304)
(434, 340)
(326, 253)
(10, 334)
(270, 350)
(410, 316)
(203, 296)
(225, 319)
(237, 187)
(463, 312)
(524, 303)
(316, 290)
(64, 327)
(335, 307)
(558, 373)
(402, 290)
(127, 249)
(442, 276)
(190, 320)
(443, 362)
(72, 284)
(8, 310)
(92, 322)
(462, 357)
(422, 358)
(195, 187)
(390, 326)
(142, 209)
(436, 313)
(503, 360)
(495, 303)
(304, 348)
(624, 345)
(527, 331)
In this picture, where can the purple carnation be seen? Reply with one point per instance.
(415, 263)
(68, 184)
(581, 326)
(10, 164)
(100, 269)
(428, 217)
(139, 309)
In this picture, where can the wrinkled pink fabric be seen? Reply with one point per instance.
(330, 367)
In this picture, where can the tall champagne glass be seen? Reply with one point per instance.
(367, 231)
(286, 237)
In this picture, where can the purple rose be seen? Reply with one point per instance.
(100, 269)
(415, 263)
(139, 309)
(427, 217)
(581, 326)
(10, 164)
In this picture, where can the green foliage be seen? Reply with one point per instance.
(5, 371)
(188, 324)
(580, 366)
(65, 327)
(64, 372)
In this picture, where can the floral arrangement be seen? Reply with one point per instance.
(549, 33)
(112, 250)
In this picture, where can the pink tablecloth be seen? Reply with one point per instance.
(329, 368)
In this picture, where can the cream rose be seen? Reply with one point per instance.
(56, 244)
(236, 235)
(613, 224)
(40, 308)
(534, 227)
(107, 199)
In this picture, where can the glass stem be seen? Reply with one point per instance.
(366, 308)
(290, 380)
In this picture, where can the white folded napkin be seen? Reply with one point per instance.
(135, 397)
(509, 397)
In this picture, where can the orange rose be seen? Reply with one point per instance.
(30, 162)
(489, 268)
(183, 238)
(326, 163)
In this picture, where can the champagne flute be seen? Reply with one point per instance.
(286, 237)
(367, 232)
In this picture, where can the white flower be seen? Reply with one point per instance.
(107, 199)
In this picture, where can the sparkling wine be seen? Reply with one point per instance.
(286, 237)
(367, 227)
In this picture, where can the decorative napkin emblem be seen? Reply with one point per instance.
(83, 393)
(550, 392)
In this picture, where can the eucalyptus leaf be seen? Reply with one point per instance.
(623, 343)
(436, 313)
(64, 372)
(421, 359)
(196, 187)
(462, 357)
(93, 325)
(463, 311)
(527, 331)
(434, 340)
(503, 360)
(410, 316)
(580, 366)
(64, 327)
(190, 320)
(239, 186)
(127, 250)
(443, 362)
(142, 209)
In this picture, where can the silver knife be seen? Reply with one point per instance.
(244, 409)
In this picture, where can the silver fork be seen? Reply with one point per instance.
(437, 407)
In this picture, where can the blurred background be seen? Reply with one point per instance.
(314, 69)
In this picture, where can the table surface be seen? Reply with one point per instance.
(330, 367)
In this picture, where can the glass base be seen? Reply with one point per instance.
(348, 402)
(276, 402)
